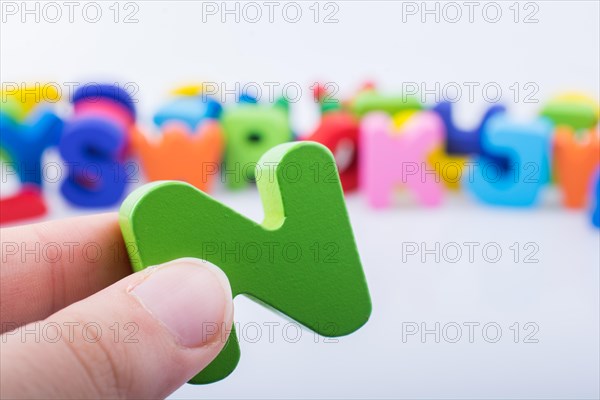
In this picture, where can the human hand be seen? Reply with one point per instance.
(76, 323)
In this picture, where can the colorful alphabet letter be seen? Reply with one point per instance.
(179, 154)
(369, 100)
(338, 131)
(527, 147)
(461, 141)
(391, 158)
(574, 110)
(250, 130)
(596, 200)
(95, 144)
(93, 148)
(28, 203)
(576, 157)
(450, 168)
(25, 142)
(19, 101)
(302, 260)
(190, 110)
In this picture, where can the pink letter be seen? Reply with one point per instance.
(390, 158)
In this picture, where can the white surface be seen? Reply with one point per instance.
(560, 293)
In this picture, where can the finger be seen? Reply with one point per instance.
(182, 312)
(47, 266)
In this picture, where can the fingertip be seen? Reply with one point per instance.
(191, 298)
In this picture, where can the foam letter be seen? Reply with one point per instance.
(93, 148)
(576, 159)
(575, 110)
(462, 141)
(28, 203)
(338, 131)
(95, 144)
(390, 158)
(180, 155)
(190, 110)
(250, 130)
(369, 100)
(319, 283)
(26, 142)
(527, 146)
(596, 201)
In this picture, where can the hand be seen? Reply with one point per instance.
(76, 323)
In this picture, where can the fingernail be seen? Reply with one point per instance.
(190, 297)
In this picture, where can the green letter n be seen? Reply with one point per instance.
(302, 260)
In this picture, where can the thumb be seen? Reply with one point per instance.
(142, 337)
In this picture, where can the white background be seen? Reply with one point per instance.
(171, 44)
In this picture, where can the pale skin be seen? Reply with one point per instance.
(82, 325)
